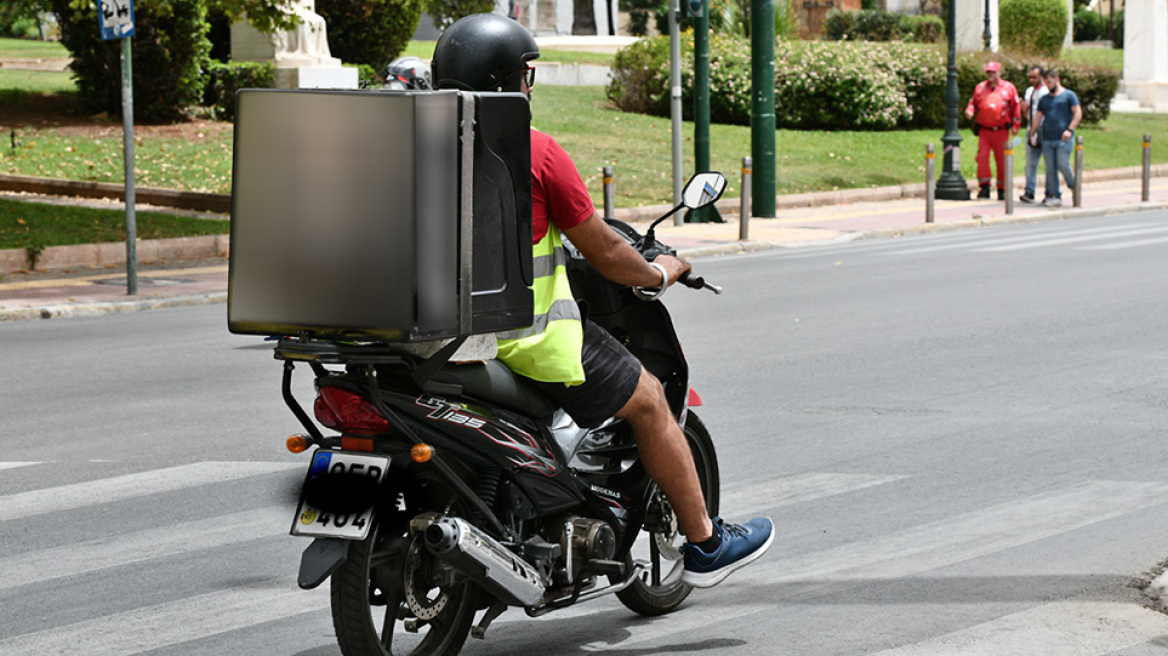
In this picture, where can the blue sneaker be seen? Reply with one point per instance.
(741, 545)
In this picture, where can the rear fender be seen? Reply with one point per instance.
(320, 560)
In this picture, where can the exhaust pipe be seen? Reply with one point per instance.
(487, 562)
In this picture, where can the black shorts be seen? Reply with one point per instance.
(611, 375)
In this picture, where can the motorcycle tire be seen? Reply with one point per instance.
(371, 590)
(644, 596)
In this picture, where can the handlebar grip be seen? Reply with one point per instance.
(690, 280)
(697, 282)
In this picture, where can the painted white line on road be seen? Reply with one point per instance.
(1070, 240)
(104, 553)
(130, 486)
(1009, 239)
(15, 465)
(1072, 628)
(920, 549)
(744, 501)
(1126, 244)
(173, 623)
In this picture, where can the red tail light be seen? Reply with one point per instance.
(348, 412)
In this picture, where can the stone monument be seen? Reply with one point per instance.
(301, 54)
(1145, 53)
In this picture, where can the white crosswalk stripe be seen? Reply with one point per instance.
(1061, 241)
(1004, 238)
(144, 629)
(16, 465)
(1098, 627)
(130, 486)
(909, 552)
(104, 553)
(923, 548)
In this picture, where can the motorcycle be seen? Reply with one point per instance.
(463, 491)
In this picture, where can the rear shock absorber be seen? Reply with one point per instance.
(487, 487)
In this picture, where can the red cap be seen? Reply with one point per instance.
(993, 66)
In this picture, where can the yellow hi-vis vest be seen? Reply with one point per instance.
(550, 350)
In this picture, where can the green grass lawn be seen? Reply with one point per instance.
(31, 49)
(15, 81)
(36, 225)
(1109, 57)
(596, 136)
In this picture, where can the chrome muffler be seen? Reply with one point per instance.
(493, 566)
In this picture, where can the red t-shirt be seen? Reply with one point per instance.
(556, 188)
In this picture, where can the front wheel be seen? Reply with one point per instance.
(659, 588)
(388, 599)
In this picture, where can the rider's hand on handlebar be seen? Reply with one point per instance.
(674, 266)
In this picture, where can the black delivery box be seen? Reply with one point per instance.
(380, 216)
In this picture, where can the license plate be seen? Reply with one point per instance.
(337, 499)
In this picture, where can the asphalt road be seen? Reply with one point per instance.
(960, 437)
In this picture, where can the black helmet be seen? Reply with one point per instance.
(483, 52)
(406, 73)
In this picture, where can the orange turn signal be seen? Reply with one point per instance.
(421, 453)
(297, 443)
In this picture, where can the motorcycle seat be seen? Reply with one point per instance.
(493, 382)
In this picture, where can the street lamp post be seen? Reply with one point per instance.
(951, 186)
(987, 35)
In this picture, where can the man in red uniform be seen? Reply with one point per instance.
(999, 115)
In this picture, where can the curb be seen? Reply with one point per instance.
(113, 253)
(116, 307)
(178, 199)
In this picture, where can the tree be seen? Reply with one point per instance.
(370, 32)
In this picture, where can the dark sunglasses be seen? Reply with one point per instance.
(529, 75)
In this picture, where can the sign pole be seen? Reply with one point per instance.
(115, 20)
(128, 149)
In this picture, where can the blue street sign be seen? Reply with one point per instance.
(116, 18)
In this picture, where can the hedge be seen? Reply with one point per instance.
(370, 32)
(879, 25)
(1036, 27)
(835, 85)
(170, 53)
(226, 78)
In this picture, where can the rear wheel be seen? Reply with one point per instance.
(659, 589)
(388, 599)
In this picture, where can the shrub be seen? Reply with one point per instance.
(836, 85)
(1089, 26)
(877, 25)
(370, 32)
(1034, 27)
(225, 78)
(445, 12)
(170, 51)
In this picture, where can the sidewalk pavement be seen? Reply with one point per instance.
(179, 283)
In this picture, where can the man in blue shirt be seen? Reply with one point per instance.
(1058, 115)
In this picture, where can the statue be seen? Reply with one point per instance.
(301, 54)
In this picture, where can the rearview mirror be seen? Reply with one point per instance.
(703, 189)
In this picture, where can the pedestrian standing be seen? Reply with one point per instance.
(1034, 93)
(1059, 113)
(995, 103)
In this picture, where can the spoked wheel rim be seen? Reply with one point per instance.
(403, 611)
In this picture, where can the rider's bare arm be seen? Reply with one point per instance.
(616, 260)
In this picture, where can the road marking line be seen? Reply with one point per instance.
(920, 549)
(155, 627)
(130, 486)
(104, 553)
(14, 464)
(1072, 628)
(746, 500)
(1126, 244)
(1008, 239)
(1069, 240)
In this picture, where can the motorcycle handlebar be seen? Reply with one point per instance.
(698, 282)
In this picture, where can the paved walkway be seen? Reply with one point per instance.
(176, 283)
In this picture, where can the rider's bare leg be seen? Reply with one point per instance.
(667, 456)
